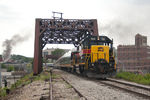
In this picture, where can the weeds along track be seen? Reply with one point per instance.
(140, 90)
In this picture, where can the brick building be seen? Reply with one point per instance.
(136, 57)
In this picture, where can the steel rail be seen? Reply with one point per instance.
(125, 89)
(50, 87)
(80, 94)
(129, 84)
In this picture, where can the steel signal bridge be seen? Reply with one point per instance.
(60, 31)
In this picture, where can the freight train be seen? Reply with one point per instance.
(93, 58)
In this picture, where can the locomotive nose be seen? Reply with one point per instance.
(102, 66)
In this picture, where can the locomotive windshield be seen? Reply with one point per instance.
(94, 40)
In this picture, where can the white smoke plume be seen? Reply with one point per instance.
(9, 44)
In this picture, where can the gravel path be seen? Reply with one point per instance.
(96, 91)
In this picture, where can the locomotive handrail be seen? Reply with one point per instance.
(87, 59)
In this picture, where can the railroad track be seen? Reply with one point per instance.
(136, 89)
(130, 84)
(139, 90)
(81, 96)
(51, 88)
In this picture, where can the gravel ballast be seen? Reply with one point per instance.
(91, 90)
(96, 91)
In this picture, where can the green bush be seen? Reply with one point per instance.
(3, 92)
(141, 79)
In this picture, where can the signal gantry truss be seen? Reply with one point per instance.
(60, 31)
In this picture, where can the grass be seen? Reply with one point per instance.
(44, 76)
(137, 78)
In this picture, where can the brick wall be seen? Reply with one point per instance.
(134, 57)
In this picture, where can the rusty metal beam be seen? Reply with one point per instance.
(37, 49)
(60, 31)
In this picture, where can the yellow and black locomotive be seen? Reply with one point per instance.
(94, 57)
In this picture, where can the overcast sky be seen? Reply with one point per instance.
(119, 19)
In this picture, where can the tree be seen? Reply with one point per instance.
(21, 59)
(58, 52)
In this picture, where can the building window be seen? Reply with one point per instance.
(45, 54)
